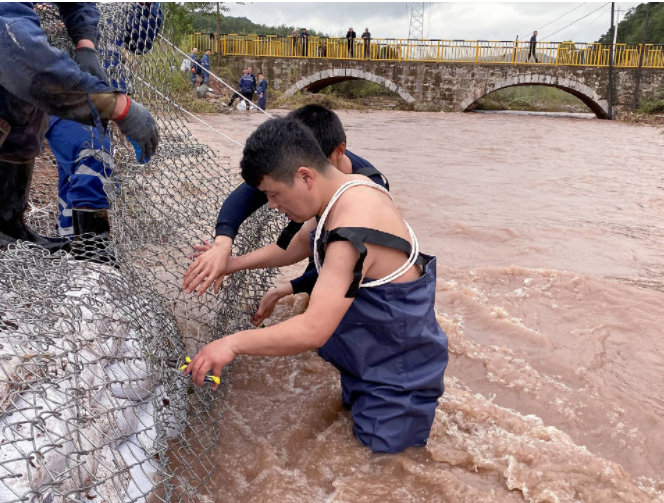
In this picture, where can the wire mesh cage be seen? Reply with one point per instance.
(92, 404)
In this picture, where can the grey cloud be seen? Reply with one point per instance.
(486, 21)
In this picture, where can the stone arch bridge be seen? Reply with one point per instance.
(455, 86)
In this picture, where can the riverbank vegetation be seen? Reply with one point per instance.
(534, 98)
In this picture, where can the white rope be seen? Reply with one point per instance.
(249, 102)
(414, 252)
(188, 112)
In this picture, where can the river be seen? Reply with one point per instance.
(549, 234)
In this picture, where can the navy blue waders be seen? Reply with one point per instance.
(389, 349)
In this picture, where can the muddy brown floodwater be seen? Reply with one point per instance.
(549, 235)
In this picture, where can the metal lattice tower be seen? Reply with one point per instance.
(415, 29)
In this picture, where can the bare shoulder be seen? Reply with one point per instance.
(364, 206)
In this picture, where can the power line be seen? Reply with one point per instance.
(574, 22)
(587, 26)
(559, 17)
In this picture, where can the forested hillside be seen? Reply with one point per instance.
(630, 29)
(242, 25)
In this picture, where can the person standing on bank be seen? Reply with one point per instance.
(532, 51)
(38, 80)
(305, 42)
(205, 63)
(350, 37)
(193, 67)
(366, 38)
(262, 91)
(247, 88)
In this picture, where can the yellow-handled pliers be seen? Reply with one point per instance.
(208, 377)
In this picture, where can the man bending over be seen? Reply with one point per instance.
(210, 265)
(381, 334)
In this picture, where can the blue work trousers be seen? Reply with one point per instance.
(83, 168)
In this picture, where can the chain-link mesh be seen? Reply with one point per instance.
(92, 405)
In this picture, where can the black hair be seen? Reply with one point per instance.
(277, 149)
(261, 73)
(324, 124)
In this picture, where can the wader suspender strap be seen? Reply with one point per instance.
(359, 245)
(370, 171)
(358, 237)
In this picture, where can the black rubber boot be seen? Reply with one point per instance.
(91, 240)
(15, 182)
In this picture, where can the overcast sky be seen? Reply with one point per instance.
(470, 21)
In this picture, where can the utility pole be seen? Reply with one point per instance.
(613, 5)
(643, 50)
(615, 33)
(217, 41)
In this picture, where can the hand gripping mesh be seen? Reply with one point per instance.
(92, 406)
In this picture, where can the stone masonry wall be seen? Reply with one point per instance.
(454, 87)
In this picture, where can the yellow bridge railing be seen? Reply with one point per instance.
(434, 51)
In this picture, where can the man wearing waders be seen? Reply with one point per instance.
(37, 80)
(381, 334)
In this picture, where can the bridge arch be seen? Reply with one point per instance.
(590, 98)
(322, 79)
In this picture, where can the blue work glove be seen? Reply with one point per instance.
(88, 61)
(140, 129)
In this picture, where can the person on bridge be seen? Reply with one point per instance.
(532, 51)
(294, 39)
(381, 335)
(305, 42)
(350, 37)
(366, 38)
(37, 80)
(212, 260)
(262, 92)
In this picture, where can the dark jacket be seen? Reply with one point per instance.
(37, 80)
(262, 87)
(350, 36)
(247, 84)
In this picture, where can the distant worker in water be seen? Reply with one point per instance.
(532, 51)
(380, 334)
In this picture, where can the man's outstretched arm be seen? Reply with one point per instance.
(215, 263)
(310, 330)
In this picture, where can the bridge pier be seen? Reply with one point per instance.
(455, 86)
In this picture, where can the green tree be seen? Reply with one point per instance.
(180, 17)
(630, 29)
